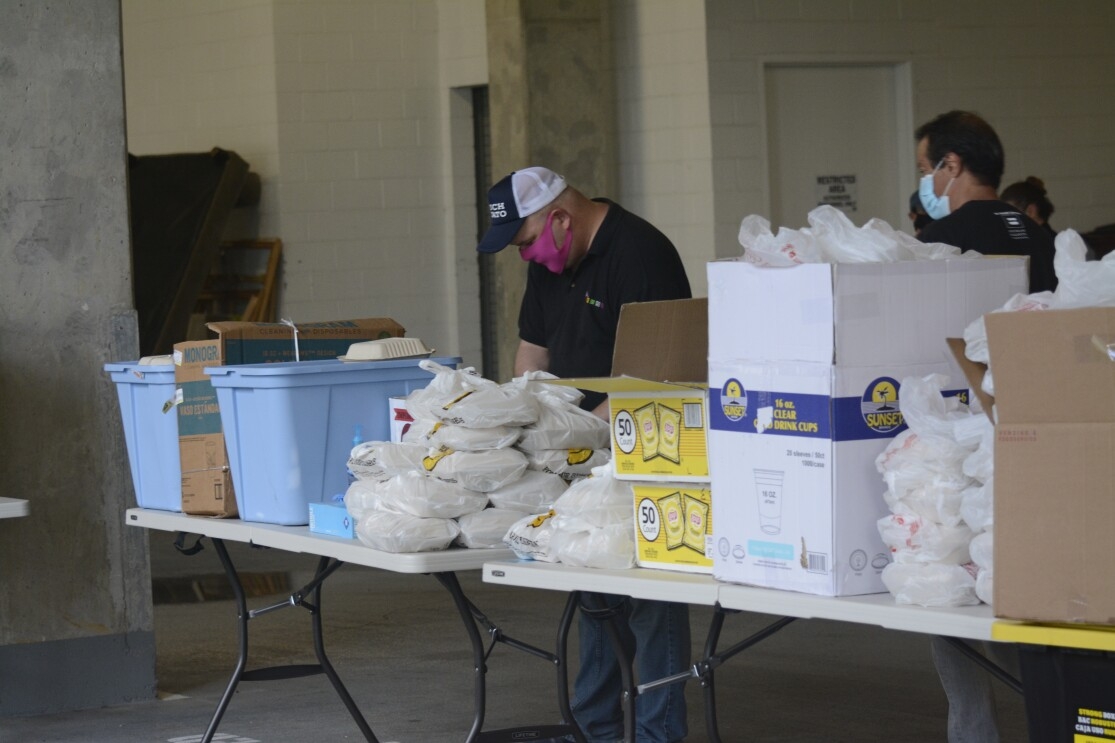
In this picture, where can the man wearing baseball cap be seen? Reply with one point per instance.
(589, 257)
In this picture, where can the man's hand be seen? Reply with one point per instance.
(601, 410)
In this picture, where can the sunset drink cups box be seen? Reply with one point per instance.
(207, 483)
(805, 369)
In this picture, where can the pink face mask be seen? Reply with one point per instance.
(544, 250)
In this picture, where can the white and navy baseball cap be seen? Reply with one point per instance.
(515, 198)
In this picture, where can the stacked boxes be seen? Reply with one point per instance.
(804, 378)
(207, 484)
(659, 414)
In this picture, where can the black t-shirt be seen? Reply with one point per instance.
(996, 228)
(574, 314)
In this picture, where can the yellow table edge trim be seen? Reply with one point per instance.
(1083, 636)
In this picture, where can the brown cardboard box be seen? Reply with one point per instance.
(1054, 464)
(206, 477)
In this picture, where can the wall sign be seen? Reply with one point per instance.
(839, 191)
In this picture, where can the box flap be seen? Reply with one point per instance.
(973, 372)
(380, 327)
(1047, 367)
(625, 384)
(662, 341)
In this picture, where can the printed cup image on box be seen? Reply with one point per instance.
(768, 487)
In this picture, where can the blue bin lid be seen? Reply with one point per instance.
(321, 371)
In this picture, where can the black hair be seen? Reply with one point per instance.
(1029, 191)
(970, 137)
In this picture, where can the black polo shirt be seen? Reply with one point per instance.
(574, 315)
(995, 227)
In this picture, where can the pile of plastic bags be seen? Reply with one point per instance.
(832, 238)
(478, 456)
(938, 475)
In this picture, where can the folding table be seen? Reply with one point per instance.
(333, 552)
(968, 622)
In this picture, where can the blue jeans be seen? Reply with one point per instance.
(656, 634)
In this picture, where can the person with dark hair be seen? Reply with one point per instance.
(961, 162)
(1029, 197)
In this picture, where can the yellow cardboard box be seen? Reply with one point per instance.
(673, 526)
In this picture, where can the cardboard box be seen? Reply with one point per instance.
(207, 488)
(332, 519)
(206, 478)
(805, 365)
(657, 394)
(1054, 464)
(673, 526)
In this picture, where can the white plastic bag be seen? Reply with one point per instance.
(787, 248)
(401, 532)
(462, 399)
(486, 528)
(378, 460)
(598, 501)
(978, 506)
(562, 425)
(529, 537)
(361, 498)
(419, 494)
(578, 463)
(434, 434)
(843, 242)
(985, 586)
(534, 492)
(930, 584)
(482, 471)
(607, 548)
(912, 538)
(983, 550)
(1080, 282)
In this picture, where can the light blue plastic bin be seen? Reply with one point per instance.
(150, 434)
(289, 427)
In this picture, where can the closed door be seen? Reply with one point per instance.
(839, 134)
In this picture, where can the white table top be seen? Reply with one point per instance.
(968, 622)
(301, 539)
(11, 508)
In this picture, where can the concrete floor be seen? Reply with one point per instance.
(398, 644)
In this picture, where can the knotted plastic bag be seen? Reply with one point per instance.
(462, 398)
(486, 528)
(482, 471)
(930, 584)
(534, 492)
(434, 434)
(418, 494)
(529, 537)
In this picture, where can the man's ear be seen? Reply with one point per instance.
(954, 164)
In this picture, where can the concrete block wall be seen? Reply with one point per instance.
(1039, 72)
(665, 134)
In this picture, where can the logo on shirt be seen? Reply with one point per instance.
(1016, 227)
(594, 302)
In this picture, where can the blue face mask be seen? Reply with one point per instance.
(936, 206)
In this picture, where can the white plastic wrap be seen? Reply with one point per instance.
(378, 460)
(401, 532)
(985, 586)
(434, 434)
(362, 497)
(486, 528)
(978, 506)
(983, 550)
(912, 538)
(938, 500)
(575, 462)
(598, 501)
(608, 548)
(482, 471)
(535, 383)
(418, 494)
(534, 492)
(1080, 282)
(787, 248)
(930, 584)
(529, 537)
(563, 425)
(463, 399)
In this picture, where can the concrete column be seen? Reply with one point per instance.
(75, 597)
(552, 103)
